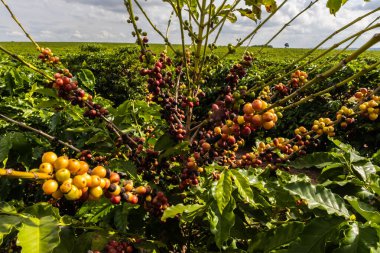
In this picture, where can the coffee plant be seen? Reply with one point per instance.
(210, 151)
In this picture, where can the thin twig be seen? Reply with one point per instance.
(29, 65)
(308, 53)
(50, 137)
(19, 24)
(253, 33)
(24, 174)
(375, 39)
(351, 78)
(284, 26)
(153, 26)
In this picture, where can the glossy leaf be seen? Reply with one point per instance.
(39, 235)
(173, 211)
(318, 197)
(221, 224)
(364, 169)
(223, 190)
(358, 239)
(7, 222)
(317, 159)
(369, 212)
(42, 209)
(315, 235)
(282, 235)
(86, 78)
(243, 186)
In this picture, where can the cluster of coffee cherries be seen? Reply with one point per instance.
(345, 116)
(74, 180)
(298, 79)
(171, 111)
(274, 153)
(63, 81)
(174, 116)
(95, 110)
(190, 174)
(323, 126)
(158, 78)
(47, 56)
(68, 89)
(239, 70)
(253, 116)
(282, 89)
(370, 109)
(265, 93)
(156, 203)
(114, 246)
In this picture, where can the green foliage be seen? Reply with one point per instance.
(231, 209)
(38, 226)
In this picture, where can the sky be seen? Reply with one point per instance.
(105, 21)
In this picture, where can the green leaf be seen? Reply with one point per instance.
(364, 169)
(42, 209)
(223, 190)
(221, 224)
(39, 235)
(334, 5)
(376, 157)
(47, 92)
(7, 222)
(318, 197)
(94, 211)
(316, 159)
(66, 245)
(254, 13)
(180, 148)
(5, 146)
(367, 211)
(121, 216)
(282, 235)
(121, 165)
(6, 208)
(375, 183)
(164, 142)
(98, 137)
(358, 239)
(315, 235)
(173, 211)
(242, 184)
(230, 15)
(86, 78)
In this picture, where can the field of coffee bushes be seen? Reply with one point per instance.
(190, 148)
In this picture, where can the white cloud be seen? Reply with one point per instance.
(15, 33)
(77, 35)
(105, 21)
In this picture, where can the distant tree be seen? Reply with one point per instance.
(286, 45)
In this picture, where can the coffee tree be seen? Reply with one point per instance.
(204, 164)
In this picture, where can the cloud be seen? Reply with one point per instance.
(15, 33)
(105, 21)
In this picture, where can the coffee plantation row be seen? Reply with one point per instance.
(191, 147)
